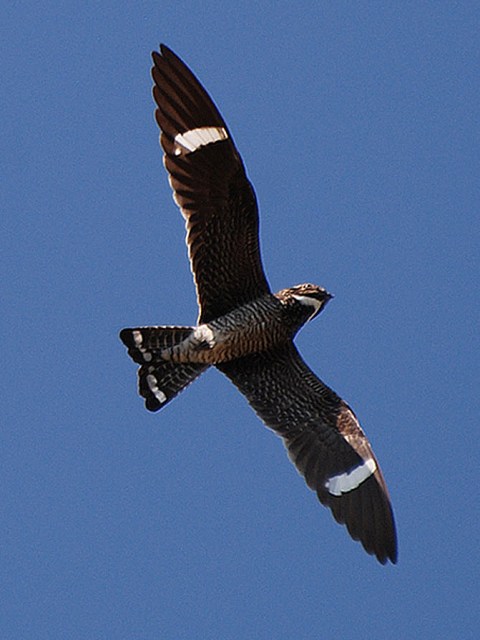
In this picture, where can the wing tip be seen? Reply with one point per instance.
(163, 52)
(367, 514)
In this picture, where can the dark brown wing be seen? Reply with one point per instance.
(211, 188)
(324, 440)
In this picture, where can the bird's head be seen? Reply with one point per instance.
(309, 298)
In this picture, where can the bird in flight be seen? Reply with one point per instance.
(244, 329)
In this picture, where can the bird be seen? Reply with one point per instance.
(243, 329)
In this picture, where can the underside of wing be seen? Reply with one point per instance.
(211, 188)
(324, 440)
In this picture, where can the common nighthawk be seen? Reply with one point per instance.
(244, 329)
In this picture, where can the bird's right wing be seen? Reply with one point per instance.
(211, 188)
(324, 441)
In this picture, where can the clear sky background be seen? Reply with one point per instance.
(358, 123)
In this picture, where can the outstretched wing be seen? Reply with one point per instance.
(324, 440)
(211, 188)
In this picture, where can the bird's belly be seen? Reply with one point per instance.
(231, 337)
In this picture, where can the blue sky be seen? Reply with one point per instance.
(358, 125)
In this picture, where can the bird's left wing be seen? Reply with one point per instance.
(324, 441)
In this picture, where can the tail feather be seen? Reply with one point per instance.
(159, 381)
(145, 343)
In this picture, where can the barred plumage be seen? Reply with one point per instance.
(243, 329)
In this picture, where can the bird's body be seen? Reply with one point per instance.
(244, 329)
(265, 323)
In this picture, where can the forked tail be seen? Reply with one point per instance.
(159, 381)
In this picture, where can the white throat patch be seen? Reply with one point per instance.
(309, 302)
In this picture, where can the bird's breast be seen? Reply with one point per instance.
(251, 328)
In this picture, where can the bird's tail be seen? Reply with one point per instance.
(159, 381)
